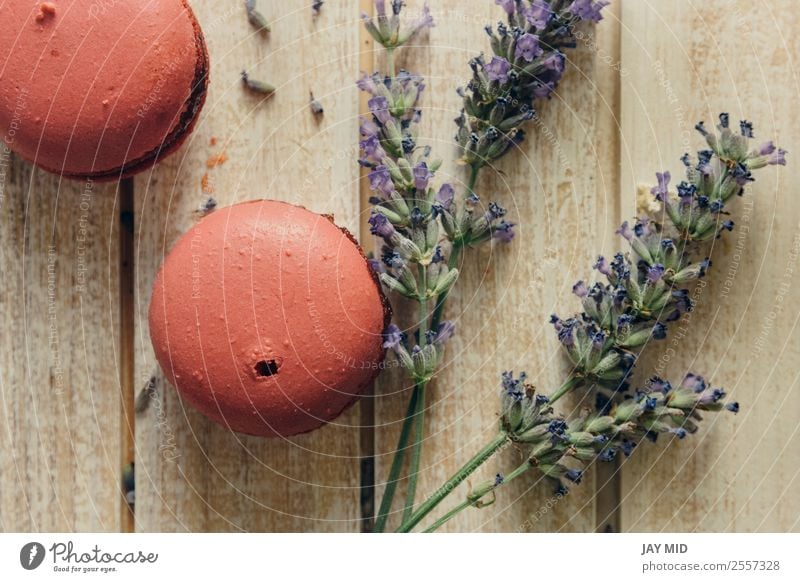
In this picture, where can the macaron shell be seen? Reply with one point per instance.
(266, 287)
(95, 87)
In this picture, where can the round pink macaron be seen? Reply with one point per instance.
(268, 319)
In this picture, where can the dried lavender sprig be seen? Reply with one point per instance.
(645, 289)
(527, 63)
(417, 222)
(562, 450)
(558, 444)
(411, 259)
(623, 421)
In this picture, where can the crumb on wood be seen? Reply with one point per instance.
(217, 160)
(205, 183)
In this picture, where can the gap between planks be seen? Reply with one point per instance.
(608, 476)
(367, 403)
(126, 338)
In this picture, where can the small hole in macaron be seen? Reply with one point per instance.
(266, 368)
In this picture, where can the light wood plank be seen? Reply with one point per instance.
(204, 478)
(689, 61)
(562, 191)
(60, 457)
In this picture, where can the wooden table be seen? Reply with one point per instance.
(78, 262)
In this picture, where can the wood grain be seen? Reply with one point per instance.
(192, 474)
(561, 188)
(689, 61)
(60, 456)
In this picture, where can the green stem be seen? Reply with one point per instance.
(471, 502)
(419, 388)
(469, 467)
(448, 516)
(397, 465)
(390, 61)
(422, 271)
(416, 450)
(484, 455)
(569, 384)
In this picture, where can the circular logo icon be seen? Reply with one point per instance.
(31, 555)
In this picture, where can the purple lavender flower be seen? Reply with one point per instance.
(658, 384)
(376, 266)
(544, 90)
(368, 128)
(659, 331)
(710, 396)
(392, 337)
(494, 212)
(513, 388)
(694, 383)
(422, 176)
(554, 62)
(379, 106)
(625, 231)
(602, 266)
(445, 196)
(607, 455)
(528, 47)
(497, 69)
(598, 339)
(686, 192)
(627, 447)
(368, 84)
(766, 148)
(679, 432)
(372, 148)
(380, 226)
(380, 180)
(538, 14)
(588, 9)
(446, 330)
(580, 289)
(662, 190)
(655, 273)
(778, 158)
(504, 231)
(565, 330)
